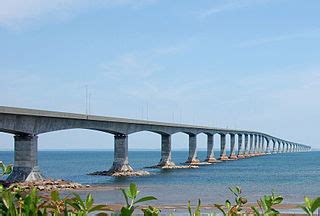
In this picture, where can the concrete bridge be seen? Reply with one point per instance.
(27, 124)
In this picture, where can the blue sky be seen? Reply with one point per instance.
(250, 64)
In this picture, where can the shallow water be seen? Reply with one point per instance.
(292, 174)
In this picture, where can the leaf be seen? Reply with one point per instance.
(315, 204)
(126, 211)
(8, 169)
(198, 210)
(306, 210)
(143, 199)
(189, 208)
(278, 200)
(55, 195)
(89, 201)
(255, 210)
(125, 196)
(100, 208)
(133, 190)
(220, 208)
(228, 204)
(308, 202)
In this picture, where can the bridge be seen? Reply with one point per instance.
(27, 124)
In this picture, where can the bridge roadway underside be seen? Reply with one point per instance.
(27, 124)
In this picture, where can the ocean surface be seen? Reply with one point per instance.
(292, 175)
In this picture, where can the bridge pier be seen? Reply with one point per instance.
(274, 147)
(120, 163)
(25, 159)
(268, 146)
(263, 150)
(251, 146)
(223, 150)
(165, 151)
(232, 145)
(240, 151)
(246, 141)
(210, 152)
(279, 147)
(192, 159)
(258, 146)
(255, 145)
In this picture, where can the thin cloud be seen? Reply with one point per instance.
(230, 5)
(278, 38)
(16, 13)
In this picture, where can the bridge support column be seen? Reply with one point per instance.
(25, 159)
(165, 151)
(120, 163)
(246, 141)
(210, 153)
(192, 159)
(240, 151)
(251, 146)
(279, 147)
(263, 150)
(283, 147)
(258, 145)
(268, 147)
(232, 145)
(255, 148)
(223, 150)
(274, 147)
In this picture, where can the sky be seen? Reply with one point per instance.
(244, 64)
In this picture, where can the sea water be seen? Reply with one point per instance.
(293, 175)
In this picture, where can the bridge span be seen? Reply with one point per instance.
(27, 124)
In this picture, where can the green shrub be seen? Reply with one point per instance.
(197, 211)
(235, 209)
(266, 205)
(130, 194)
(310, 205)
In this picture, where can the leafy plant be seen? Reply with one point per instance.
(54, 204)
(84, 207)
(310, 205)
(151, 211)
(130, 194)
(197, 211)
(236, 209)
(5, 170)
(13, 204)
(266, 205)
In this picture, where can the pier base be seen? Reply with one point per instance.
(120, 164)
(192, 159)
(241, 156)
(165, 152)
(233, 157)
(25, 159)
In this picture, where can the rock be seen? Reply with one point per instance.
(41, 188)
(47, 185)
(121, 174)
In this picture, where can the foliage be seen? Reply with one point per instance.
(310, 205)
(5, 170)
(84, 207)
(151, 211)
(130, 194)
(197, 211)
(266, 205)
(235, 209)
(54, 204)
(14, 204)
